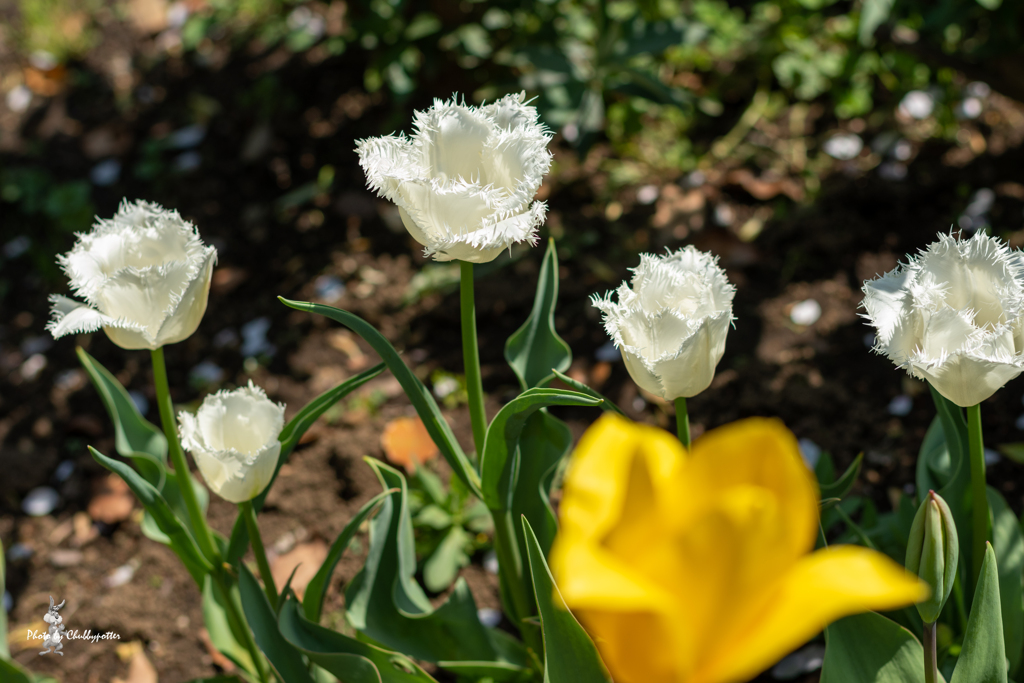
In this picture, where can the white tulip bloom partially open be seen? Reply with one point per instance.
(954, 316)
(465, 181)
(144, 274)
(233, 438)
(672, 324)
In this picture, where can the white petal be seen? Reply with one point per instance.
(188, 312)
(947, 331)
(693, 367)
(641, 374)
(389, 162)
(885, 301)
(967, 381)
(72, 317)
(450, 137)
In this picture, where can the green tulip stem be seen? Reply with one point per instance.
(195, 513)
(238, 624)
(471, 357)
(683, 422)
(249, 515)
(979, 500)
(931, 660)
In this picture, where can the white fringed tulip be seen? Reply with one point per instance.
(233, 439)
(465, 181)
(953, 316)
(145, 277)
(671, 326)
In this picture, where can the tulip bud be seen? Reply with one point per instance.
(464, 182)
(233, 438)
(671, 325)
(144, 274)
(932, 553)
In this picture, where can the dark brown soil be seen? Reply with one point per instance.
(821, 380)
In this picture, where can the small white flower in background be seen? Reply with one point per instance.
(233, 439)
(954, 316)
(465, 181)
(671, 325)
(145, 277)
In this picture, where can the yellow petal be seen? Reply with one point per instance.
(636, 647)
(610, 516)
(822, 587)
(753, 452)
(596, 483)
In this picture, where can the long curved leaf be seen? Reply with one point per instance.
(134, 435)
(868, 648)
(982, 659)
(1008, 543)
(180, 540)
(316, 589)
(497, 462)
(386, 604)
(418, 394)
(570, 656)
(840, 487)
(584, 389)
(289, 438)
(229, 641)
(547, 440)
(351, 660)
(535, 348)
(287, 660)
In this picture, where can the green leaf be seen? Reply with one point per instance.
(304, 419)
(351, 660)
(497, 463)
(868, 648)
(144, 444)
(584, 389)
(285, 658)
(171, 492)
(289, 438)
(844, 484)
(441, 568)
(535, 348)
(569, 653)
(421, 398)
(990, 4)
(543, 446)
(134, 436)
(180, 539)
(226, 639)
(1008, 543)
(216, 679)
(316, 589)
(12, 673)
(982, 659)
(386, 604)
(434, 517)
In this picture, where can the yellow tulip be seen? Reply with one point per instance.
(697, 568)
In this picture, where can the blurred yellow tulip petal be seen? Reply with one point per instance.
(697, 568)
(596, 488)
(820, 588)
(757, 452)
